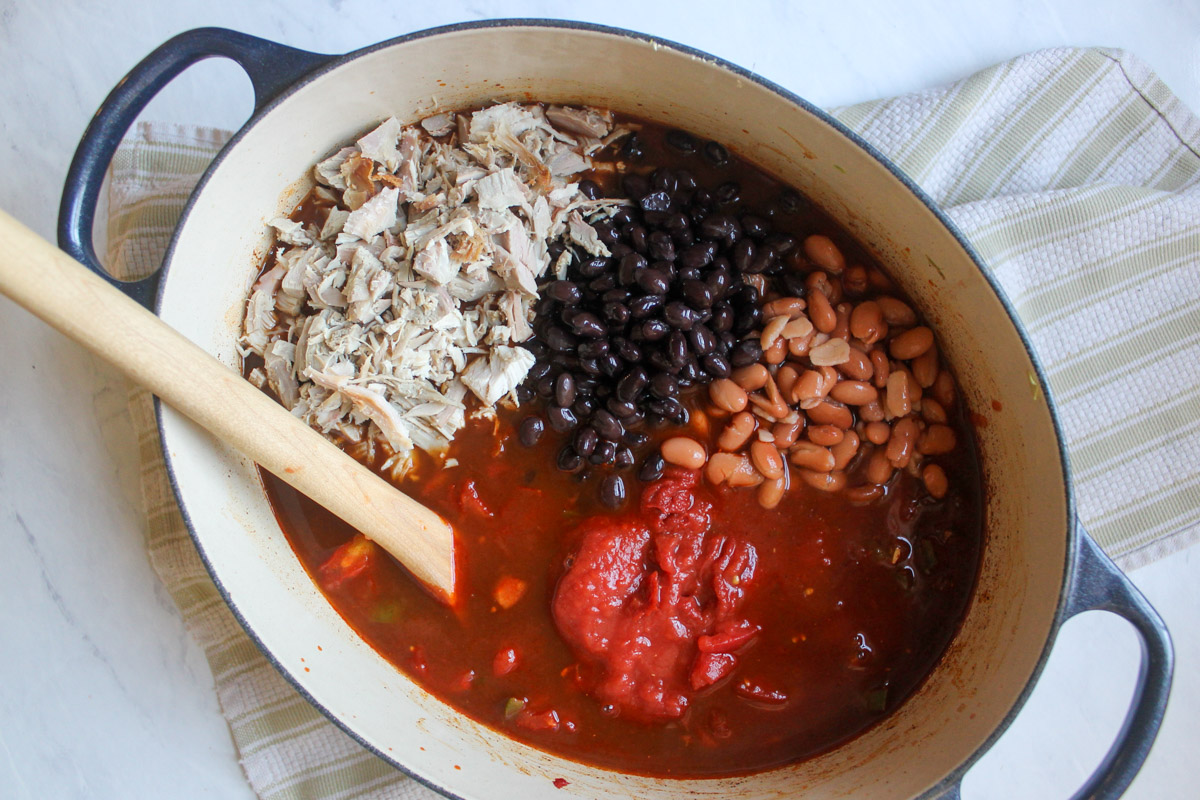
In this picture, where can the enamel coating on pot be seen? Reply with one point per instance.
(219, 246)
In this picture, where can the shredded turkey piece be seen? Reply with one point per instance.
(422, 280)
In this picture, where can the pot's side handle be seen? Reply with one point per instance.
(1097, 584)
(271, 67)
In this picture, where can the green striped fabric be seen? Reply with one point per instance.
(1076, 176)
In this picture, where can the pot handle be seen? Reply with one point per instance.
(271, 67)
(1097, 584)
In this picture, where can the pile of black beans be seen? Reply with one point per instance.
(620, 341)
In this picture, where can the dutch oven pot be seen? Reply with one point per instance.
(1039, 567)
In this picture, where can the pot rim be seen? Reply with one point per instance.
(337, 61)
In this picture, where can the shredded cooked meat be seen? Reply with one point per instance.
(422, 279)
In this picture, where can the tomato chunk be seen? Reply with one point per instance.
(351, 560)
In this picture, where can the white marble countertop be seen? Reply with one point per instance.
(102, 692)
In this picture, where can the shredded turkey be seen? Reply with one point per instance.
(419, 283)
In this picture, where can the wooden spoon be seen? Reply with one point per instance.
(82, 305)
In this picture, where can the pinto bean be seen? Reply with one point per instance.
(786, 433)
(827, 413)
(809, 386)
(881, 366)
(912, 343)
(854, 279)
(935, 480)
(925, 367)
(790, 307)
(821, 312)
(799, 327)
(739, 430)
(866, 322)
(766, 459)
(799, 346)
(937, 440)
(932, 411)
(684, 451)
(825, 435)
(727, 395)
(824, 253)
(845, 450)
(721, 466)
(751, 377)
(896, 312)
(879, 468)
(867, 492)
(858, 366)
(902, 442)
(744, 474)
(871, 412)
(771, 491)
(776, 353)
(841, 330)
(897, 401)
(825, 481)
(854, 393)
(943, 389)
(877, 432)
(811, 456)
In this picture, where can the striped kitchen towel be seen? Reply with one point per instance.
(1076, 175)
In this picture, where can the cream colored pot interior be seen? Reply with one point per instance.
(217, 253)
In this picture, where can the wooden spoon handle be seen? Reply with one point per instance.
(80, 304)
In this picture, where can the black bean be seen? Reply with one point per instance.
(585, 440)
(698, 255)
(622, 216)
(617, 313)
(652, 468)
(644, 306)
(689, 274)
(619, 249)
(702, 200)
(611, 365)
(632, 148)
(655, 201)
(605, 452)
(531, 430)
(729, 193)
(681, 141)
(627, 350)
(746, 319)
(607, 425)
(625, 458)
(793, 282)
(593, 348)
(569, 460)
(594, 267)
(631, 266)
(524, 394)
(588, 324)
(662, 247)
(632, 384)
(564, 389)
(561, 419)
(545, 387)
(719, 281)
(539, 370)
(589, 189)
(743, 253)
(763, 259)
(720, 227)
(697, 294)
(716, 154)
(745, 352)
(716, 365)
(790, 200)
(603, 283)
(583, 407)
(675, 222)
(554, 250)
(755, 226)
(722, 318)
(590, 365)
(782, 243)
(636, 438)
(637, 238)
(677, 348)
(703, 341)
(654, 329)
(679, 315)
(654, 281)
(663, 386)
(670, 409)
(662, 361)
(612, 491)
(621, 409)
(618, 295)
(558, 339)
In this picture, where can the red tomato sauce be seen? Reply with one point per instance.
(692, 634)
